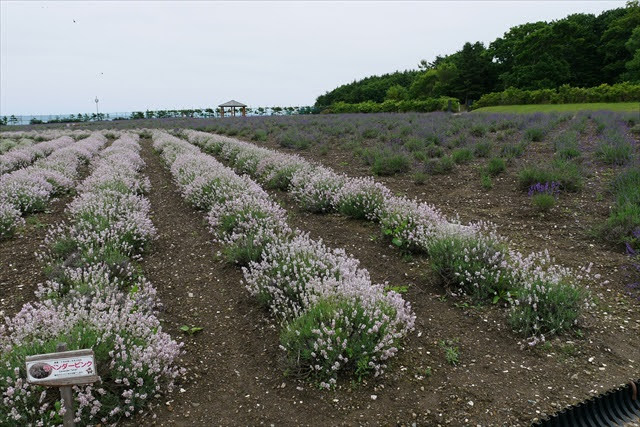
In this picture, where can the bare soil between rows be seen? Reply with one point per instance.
(235, 375)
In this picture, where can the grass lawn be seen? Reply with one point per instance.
(546, 108)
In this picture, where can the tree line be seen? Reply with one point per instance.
(580, 50)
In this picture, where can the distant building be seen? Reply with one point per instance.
(233, 104)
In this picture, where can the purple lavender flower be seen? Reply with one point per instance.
(550, 188)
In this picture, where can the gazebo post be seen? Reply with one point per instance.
(244, 111)
(221, 111)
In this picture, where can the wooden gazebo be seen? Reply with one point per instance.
(233, 104)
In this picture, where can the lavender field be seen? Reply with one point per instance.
(359, 269)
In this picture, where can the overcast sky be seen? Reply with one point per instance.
(172, 55)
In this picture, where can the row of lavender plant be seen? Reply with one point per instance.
(334, 319)
(543, 298)
(8, 144)
(16, 159)
(96, 298)
(29, 189)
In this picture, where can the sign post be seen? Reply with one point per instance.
(63, 369)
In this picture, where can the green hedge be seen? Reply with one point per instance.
(422, 106)
(565, 94)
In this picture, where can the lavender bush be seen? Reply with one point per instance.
(355, 333)
(10, 219)
(550, 297)
(472, 260)
(314, 188)
(245, 224)
(410, 224)
(292, 274)
(134, 358)
(361, 198)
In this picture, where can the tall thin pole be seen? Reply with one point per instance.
(67, 395)
(97, 111)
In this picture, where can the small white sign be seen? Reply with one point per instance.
(62, 368)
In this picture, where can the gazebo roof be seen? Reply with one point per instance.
(232, 103)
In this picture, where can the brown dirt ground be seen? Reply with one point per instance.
(234, 371)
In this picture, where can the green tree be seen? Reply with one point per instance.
(396, 93)
(633, 65)
(423, 85)
(614, 39)
(476, 73)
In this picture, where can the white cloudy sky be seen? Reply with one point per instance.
(165, 55)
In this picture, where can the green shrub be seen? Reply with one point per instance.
(414, 144)
(420, 178)
(564, 172)
(462, 155)
(534, 134)
(487, 184)
(512, 150)
(615, 153)
(473, 263)
(434, 151)
(565, 94)
(478, 130)
(543, 202)
(482, 149)
(458, 141)
(557, 308)
(292, 139)
(623, 224)
(353, 345)
(370, 133)
(566, 145)
(259, 135)
(496, 166)
(569, 153)
(420, 156)
(433, 139)
(391, 106)
(386, 162)
(440, 166)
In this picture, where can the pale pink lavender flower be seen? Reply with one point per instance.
(315, 188)
(20, 158)
(292, 273)
(10, 219)
(361, 198)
